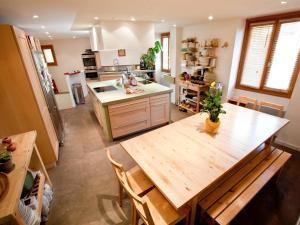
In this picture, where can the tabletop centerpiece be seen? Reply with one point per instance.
(212, 105)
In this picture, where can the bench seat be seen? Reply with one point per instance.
(223, 203)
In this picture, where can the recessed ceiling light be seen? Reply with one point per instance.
(47, 32)
(35, 16)
(174, 25)
(43, 27)
(283, 2)
(74, 37)
(132, 19)
(210, 17)
(162, 21)
(96, 18)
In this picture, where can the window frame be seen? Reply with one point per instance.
(277, 20)
(162, 35)
(49, 46)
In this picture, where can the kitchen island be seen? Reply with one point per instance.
(120, 114)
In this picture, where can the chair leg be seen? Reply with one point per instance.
(120, 195)
(135, 216)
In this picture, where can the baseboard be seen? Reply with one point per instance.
(294, 147)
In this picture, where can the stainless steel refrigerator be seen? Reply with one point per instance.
(46, 84)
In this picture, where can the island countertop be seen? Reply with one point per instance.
(119, 95)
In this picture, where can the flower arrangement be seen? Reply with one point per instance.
(213, 107)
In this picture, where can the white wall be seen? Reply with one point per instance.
(226, 31)
(290, 134)
(175, 56)
(134, 37)
(68, 55)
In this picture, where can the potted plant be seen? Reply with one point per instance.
(6, 164)
(148, 59)
(212, 105)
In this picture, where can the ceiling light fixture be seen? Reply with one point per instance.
(96, 18)
(43, 27)
(210, 17)
(174, 25)
(132, 19)
(283, 2)
(35, 16)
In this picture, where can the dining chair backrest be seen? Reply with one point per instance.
(271, 108)
(140, 204)
(118, 168)
(248, 102)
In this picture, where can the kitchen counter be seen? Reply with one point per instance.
(120, 114)
(119, 95)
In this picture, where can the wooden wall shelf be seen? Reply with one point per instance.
(26, 156)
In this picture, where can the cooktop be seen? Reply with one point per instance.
(104, 89)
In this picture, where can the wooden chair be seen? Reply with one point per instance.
(272, 106)
(153, 208)
(136, 178)
(247, 102)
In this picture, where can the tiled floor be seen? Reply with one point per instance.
(86, 188)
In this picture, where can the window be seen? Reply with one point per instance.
(270, 58)
(165, 55)
(49, 55)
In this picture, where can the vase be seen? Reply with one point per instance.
(211, 127)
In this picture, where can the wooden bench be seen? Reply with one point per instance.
(225, 201)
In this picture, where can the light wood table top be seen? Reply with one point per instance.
(182, 160)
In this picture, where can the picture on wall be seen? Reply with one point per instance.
(121, 52)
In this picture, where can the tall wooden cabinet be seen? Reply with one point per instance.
(23, 106)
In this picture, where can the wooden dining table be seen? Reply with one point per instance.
(184, 162)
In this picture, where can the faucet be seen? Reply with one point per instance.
(116, 62)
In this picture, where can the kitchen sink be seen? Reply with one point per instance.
(105, 88)
(145, 82)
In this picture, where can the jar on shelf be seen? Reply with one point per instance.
(204, 61)
(191, 45)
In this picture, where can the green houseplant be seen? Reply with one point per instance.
(6, 164)
(212, 105)
(150, 56)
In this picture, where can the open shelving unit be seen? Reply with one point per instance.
(199, 54)
(198, 58)
(198, 89)
(26, 156)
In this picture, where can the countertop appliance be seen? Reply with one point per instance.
(46, 84)
(91, 63)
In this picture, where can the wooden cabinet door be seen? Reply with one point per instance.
(160, 109)
(37, 90)
(129, 117)
(96, 106)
